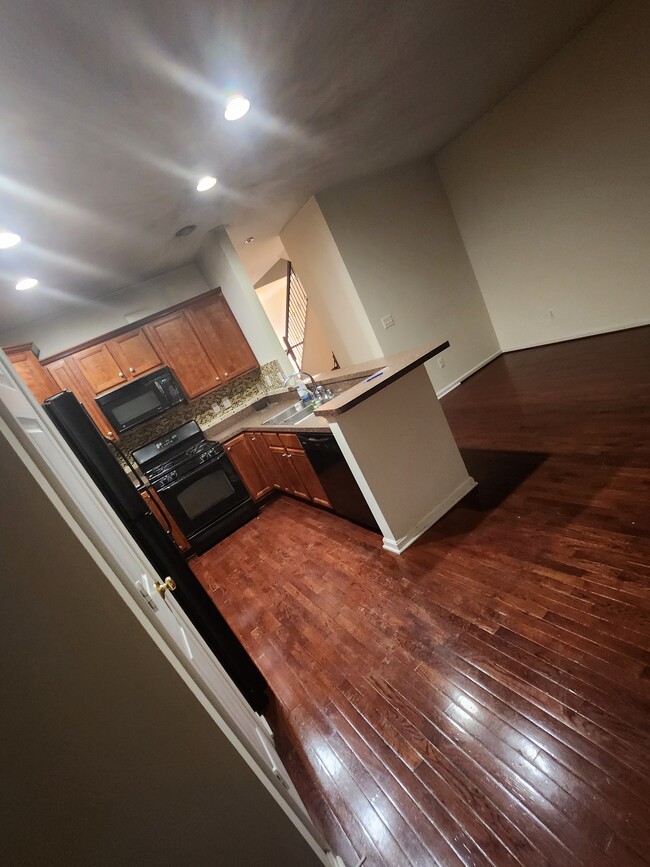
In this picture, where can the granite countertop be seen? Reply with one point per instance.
(252, 419)
(373, 376)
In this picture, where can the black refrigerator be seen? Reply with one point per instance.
(102, 466)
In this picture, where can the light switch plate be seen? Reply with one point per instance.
(387, 321)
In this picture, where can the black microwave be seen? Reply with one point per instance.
(141, 400)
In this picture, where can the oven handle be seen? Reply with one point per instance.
(191, 475)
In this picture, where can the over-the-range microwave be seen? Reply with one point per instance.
(141, 400)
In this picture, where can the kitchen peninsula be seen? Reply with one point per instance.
(391, 429)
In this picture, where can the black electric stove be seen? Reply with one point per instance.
(197, 484)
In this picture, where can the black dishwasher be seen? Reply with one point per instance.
(336, 478)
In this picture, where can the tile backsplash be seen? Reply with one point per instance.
(241, 392)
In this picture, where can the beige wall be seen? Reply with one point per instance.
(107, 756)
(316, 353)
(551, 189)
(317, 261)
(398, 238)
(86, 321)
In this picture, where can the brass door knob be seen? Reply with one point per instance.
(163, 586)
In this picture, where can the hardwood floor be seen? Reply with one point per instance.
(484, 698)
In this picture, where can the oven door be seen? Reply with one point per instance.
(204, 496)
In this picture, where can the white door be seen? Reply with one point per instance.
(77, 491)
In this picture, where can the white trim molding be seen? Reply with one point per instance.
(467, 374)
(398, 546)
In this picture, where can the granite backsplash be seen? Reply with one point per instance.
(241, 392)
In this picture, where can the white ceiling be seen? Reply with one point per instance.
(111, 110)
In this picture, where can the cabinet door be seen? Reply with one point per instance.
(301, 463)
(98, 367)
(178, 344)
(68, 378)
(169, 525)
(280, 471)
(296, 485)
(222, 337)
(134, 353)
(33, 374)
(244, 460)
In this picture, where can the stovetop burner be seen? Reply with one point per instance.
(175, 454)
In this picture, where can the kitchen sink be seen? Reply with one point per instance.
(292, 415)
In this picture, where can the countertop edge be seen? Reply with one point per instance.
(365, 389)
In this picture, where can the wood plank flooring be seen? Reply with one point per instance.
(484, 698)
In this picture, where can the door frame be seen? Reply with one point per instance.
(82, 506)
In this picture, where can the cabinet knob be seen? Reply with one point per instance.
(109, 433)
(132, 369)
(225, 373)
(217, 378)
(121, 374)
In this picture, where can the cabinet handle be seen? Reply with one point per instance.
(121, 374)
(132, 369)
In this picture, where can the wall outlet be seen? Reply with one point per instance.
(268, 381)
(226, 402)
(216, 407)
(441, 361)
(387, 321)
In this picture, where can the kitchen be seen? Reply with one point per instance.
(405, 584)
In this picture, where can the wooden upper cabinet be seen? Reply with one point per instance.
(134, 353)
(98, 367)
(67, 377)
(31, 371)
(176, 340)
(222, 337)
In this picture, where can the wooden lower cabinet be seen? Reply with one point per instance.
(282, 463)
(253, 472)
(170, 526)
(293, 481)
(302, 465)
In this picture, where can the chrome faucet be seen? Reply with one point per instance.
(319, 393)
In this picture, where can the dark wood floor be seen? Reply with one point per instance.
(484, 698)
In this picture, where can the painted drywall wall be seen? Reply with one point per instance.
(107, 756)
(551, 189)
(273, 298)
(399, 241)
(406, 496)
(220, 265)
(316, 351)
(329, 287)
(86, 321)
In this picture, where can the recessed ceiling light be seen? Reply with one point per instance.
(206, 183)
(249, 240)
(185, 230)
(236, 107)
(26, 283)
(8, 239)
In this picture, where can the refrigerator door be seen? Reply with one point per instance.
(101, 465)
